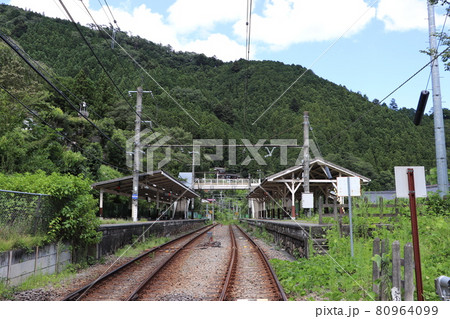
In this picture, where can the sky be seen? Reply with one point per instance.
(368, 46)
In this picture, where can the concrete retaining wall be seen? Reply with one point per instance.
(294, 237)
(118, 235)
(17, 265)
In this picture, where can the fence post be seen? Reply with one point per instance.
(37, 215)
(375, 269)
(8, 272)
(320, 210)
(36, 255)
(396, 264)
(381, 200)
(384, 271)
(409, 272)
(335, 210)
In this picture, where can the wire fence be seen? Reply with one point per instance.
(24, 213)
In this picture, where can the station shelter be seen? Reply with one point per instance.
(172, 198)
(280, 195)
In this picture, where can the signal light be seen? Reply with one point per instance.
(421, 107)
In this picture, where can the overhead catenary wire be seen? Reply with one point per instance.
(31, 111)
(98, 59)
(150, 76)
(314, 62)
(60, 84)
(100, 28)
(14, 47)
(136, 63)
(387, 96)
(247, 56)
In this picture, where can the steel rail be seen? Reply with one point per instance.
(135, 294)
(268, 266)
(79, 293)
(231, 266)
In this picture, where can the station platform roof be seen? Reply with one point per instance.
(156, 185)
(322, 177)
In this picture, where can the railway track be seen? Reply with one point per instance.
(192, 267)
(249, 276)
(121, 283)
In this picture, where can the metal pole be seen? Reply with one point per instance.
(137, 141)
(306, 155)
(415, 233)
(350, 216)
(439, 134)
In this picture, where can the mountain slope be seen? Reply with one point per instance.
(194, 97)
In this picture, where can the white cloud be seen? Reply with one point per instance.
(147, 24)
(286, 22)
(187, 16)
(218, 45)
(403, 15)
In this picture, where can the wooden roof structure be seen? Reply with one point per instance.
(156, 186)
(322, 178)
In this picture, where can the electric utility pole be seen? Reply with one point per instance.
(137, 151)
(306, 155)
(439, 134)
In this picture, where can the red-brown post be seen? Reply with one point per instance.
(415, 233)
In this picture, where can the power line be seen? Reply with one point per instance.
(58, 132)
(420, 70)
(373, 107)
(59, 83)
(156, 105)
(112, 14)
(12, 46)
(97, 58)
(148, 74)
(249, 27)
(314, 62)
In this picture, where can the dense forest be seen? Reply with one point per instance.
(193, 97)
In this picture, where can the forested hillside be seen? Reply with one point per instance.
(224, 99)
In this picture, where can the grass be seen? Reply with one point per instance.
(38, 281)
(337, 276)
(20, 241)
(138, 248)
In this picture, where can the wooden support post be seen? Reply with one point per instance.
(335, 210)
(375, 269)
(320, 209)
(384, 271)
(396, 270)
(409, 272)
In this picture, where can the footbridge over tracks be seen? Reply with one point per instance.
(225, 184)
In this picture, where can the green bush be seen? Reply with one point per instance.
(337, 276)
(72, 212)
